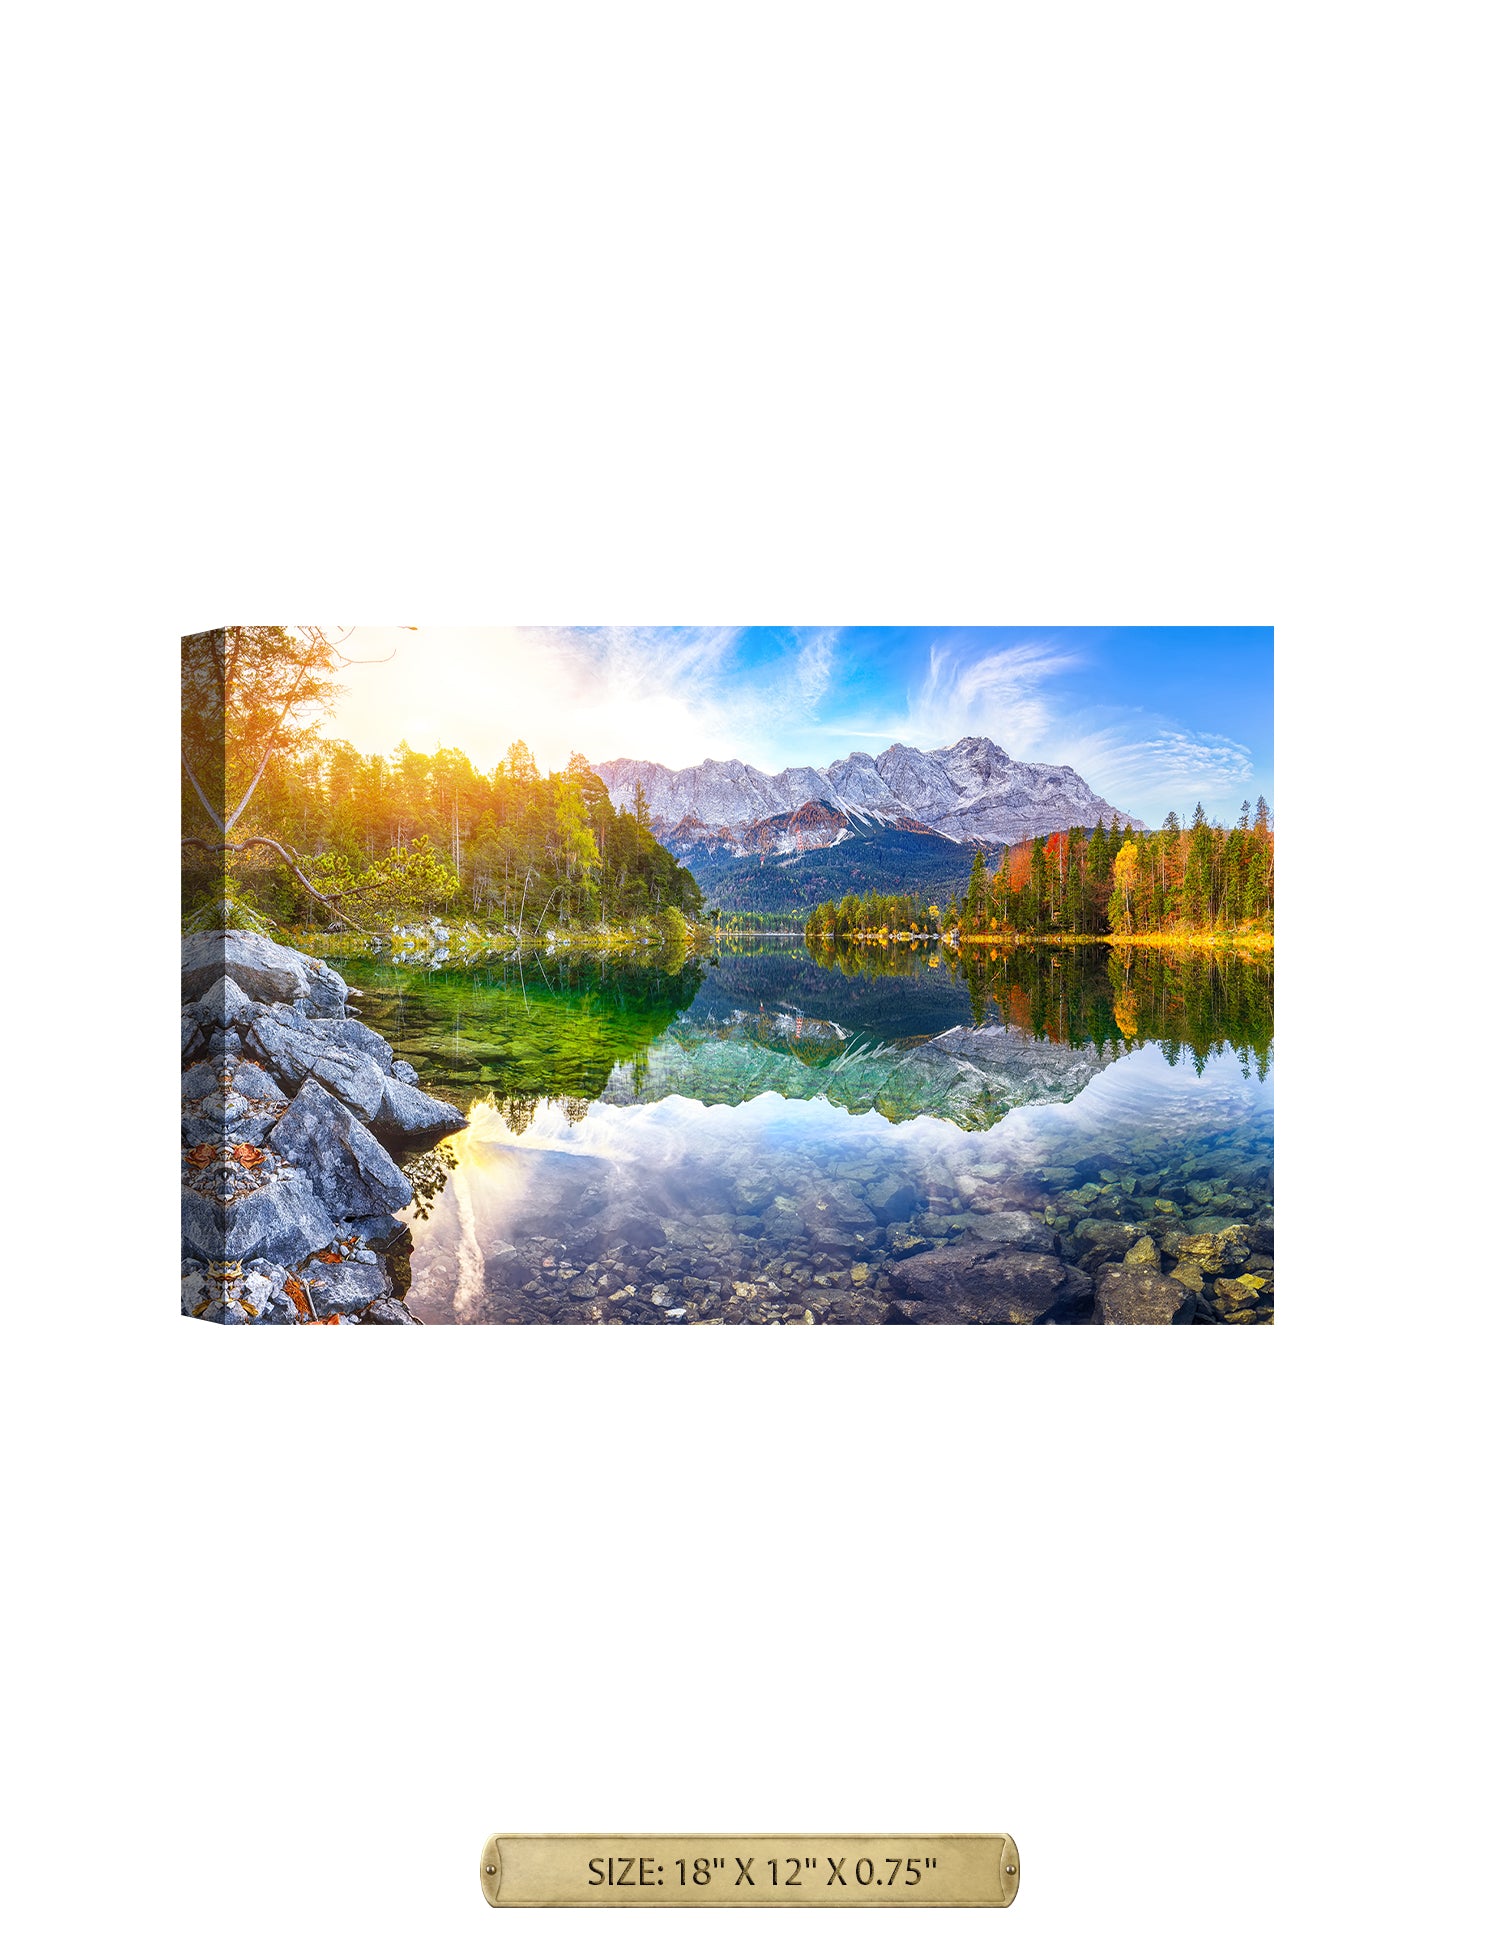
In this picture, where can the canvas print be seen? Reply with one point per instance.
(752, 976)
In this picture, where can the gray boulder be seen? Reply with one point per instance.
(377, 1229)
(260, 1210)
(248, 1293)
(955, 1285)
(239, 1111)
(262, 968)
(1023, 1231)
(347, 1033)
(224, 1005)
(348, 1170)
(327, 991)
(198, 1082)
(834, 1216)
(263, 1292)
(891, 1199)
(388, 1311)
(344, 1286)
(781, 1221)
(753, 1191)
(1135, 1296)
(259, 1292)
(294, 1050)
(1100, 1240)
(405, 1115)
(1212, 1251)
(625, 1226)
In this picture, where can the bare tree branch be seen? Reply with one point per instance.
(243, 846)
(302, 671)
(203, 796)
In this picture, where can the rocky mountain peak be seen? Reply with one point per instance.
(971, 790)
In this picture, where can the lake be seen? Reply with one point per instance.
(884, 1135)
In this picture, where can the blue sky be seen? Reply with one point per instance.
(1153, 718)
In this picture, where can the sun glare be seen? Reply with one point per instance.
(480, 689)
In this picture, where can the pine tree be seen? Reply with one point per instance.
(1037, 887)
(1001, 887)
(1073, 885)
(1197, 880)
(977, 899)
(1096, 876)
(1233, 908)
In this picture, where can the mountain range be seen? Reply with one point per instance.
(971, 791)
(902, 821)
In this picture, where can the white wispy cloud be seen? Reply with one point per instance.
(1148, 765)
(672, 695)
(814, 667)
(680, 696)
(1001, 694)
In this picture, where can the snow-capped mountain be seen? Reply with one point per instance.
(971, 791)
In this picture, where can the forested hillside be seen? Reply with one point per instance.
(415, 833)
(1201, 878)
(873, 859)
(283, 825)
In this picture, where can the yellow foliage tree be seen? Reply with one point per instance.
(1122, 899)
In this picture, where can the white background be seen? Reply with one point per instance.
(708, 313)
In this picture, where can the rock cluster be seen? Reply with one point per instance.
(288, 1106)
(869, 1242)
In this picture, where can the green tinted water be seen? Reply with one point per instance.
(766, 1136)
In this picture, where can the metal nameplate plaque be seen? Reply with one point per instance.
(728, 1871)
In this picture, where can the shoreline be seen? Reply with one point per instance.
(462, 942)
(298, 1123)
(1259, 943)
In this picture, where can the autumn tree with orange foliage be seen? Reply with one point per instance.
(1209, 879)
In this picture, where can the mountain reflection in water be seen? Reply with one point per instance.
(772, 1135)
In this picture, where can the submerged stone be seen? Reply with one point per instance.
(1135, 1296)
(1022, 1230)
(891, 1198)
(956, 1286)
